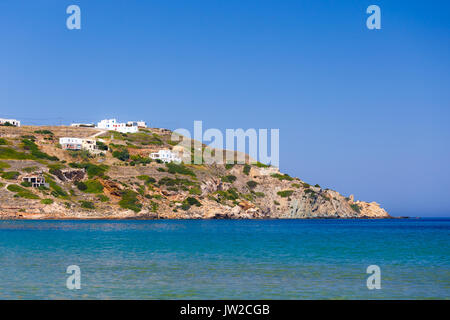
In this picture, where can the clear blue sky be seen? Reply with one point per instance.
(359, 111)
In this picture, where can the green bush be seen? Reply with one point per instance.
(195, 190)
(15, 188)
(150, 180)
(282, 176)
(101, 146)
(3, 141)
(173, 143)
(87, 204)
(103, 198)
(122, 155)
(84, 155)
(4, 165)
(285, 193)
(230, 194)
(185, 206)
(317, 185)
(147, 179)
(246, 169)
(140, 160)
(175, 182)
(229, 178)
(56, 166)
(96, 171)
(261, 165)
(252, 184)
(228, 166)
(129, 201)
(10, 175)
(27, 195)
(154, 206)
(192, 201)
(43, 132)
(355, 207)
(21, 192)
(30, 169)
(81, 185)
(93, 186)
(25, 184)
(260, 194)
(179, 168)
(154, 196)
(91, 169)
(46, 201)
(306, 185)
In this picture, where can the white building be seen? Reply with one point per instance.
(13, 122)
(71, 143)
(112, 124)
(89, 144)
(37, 180)
(78, 144)
(165, 156)
(139, 124)
(83, 125)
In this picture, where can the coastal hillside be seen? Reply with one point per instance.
(40, 179)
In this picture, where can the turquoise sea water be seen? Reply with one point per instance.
(220, 259)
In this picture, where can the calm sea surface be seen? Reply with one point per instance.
(220, 259)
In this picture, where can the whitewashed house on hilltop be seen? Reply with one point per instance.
(139, 124)
(83, 125)
(165, 156)
(112, 124)
(71, 143)
(13, 122)
(79, 144)
(89, 144)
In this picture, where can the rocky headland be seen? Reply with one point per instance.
(122, 182)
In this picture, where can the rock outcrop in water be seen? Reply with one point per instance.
(123, 183)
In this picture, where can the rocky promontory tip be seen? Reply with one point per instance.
(81, 172)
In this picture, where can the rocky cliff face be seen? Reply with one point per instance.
(106, 187)
(285, 199)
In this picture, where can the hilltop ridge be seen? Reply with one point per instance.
(121, 181)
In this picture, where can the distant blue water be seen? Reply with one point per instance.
(219, 259)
